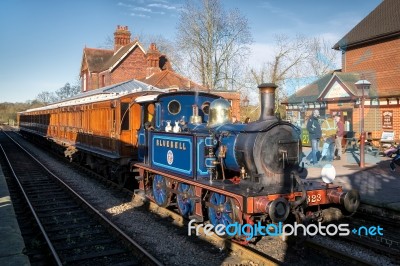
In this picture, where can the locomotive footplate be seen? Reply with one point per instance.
(249, 189)
(253, 197)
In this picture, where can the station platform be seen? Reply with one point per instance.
(11, 241)
(377, 184)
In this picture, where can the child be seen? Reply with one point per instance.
(328, 149)
(396, 159)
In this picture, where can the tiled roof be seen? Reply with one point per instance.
(96, 58)
(166, 78)
(313, 91)
(383, 22)
(120, 53)
(100, 59)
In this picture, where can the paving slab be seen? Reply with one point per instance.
(376, 183)
(11, 242)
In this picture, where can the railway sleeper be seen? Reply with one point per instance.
(85, 235)
(94, 255)
(81, 226)
(66, 246)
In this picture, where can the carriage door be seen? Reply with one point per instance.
(130, 121)
(147, 124)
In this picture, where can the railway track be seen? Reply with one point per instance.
(388, 220)
(74, 231)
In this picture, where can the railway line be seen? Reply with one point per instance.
(75, 232)
(249, 255)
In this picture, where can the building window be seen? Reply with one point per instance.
(84, 82)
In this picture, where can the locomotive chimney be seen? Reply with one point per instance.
(267, 101)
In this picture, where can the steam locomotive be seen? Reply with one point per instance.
(182, 149)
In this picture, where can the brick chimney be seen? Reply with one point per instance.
(153, 60)
(122, 37)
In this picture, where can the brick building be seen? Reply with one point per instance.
(371, 51)
(129, 60)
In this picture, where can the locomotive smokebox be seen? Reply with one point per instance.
(267, 101)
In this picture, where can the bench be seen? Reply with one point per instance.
(350, 141)
(387, 140)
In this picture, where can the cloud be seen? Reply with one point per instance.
(139, 15)
(261, 53)
(143, 9)
(139, 9)
(169, 7)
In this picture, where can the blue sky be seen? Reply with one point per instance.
(42, 41)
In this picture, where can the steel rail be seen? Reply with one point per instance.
(88, 205)
(244, 252)
(49, 243)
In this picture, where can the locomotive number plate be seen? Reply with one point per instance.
(316, 197)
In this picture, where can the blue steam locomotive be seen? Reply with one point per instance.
(192, 154)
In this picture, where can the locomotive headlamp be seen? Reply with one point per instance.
(328, 173)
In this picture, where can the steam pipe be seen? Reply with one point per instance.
(267, 101)
(303, 191)
(350, 200)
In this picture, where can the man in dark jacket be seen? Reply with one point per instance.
(315, 133)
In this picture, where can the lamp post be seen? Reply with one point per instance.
(303, 106)
(362, 85)
(302, 109)
(245, 105)
(245, 102)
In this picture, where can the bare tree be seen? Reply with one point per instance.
(322, 58)
(214, 41)
(67, 91)
(289, 54)
(295, 62)
(46, 97)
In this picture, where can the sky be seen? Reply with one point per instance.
(42, 41)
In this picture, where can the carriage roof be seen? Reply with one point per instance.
(106, 93)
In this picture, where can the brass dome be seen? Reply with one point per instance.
(220, 112)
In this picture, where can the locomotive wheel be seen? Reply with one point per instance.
(222, 210)
(185, 204)
(161, 194)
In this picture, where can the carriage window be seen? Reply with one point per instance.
(205, 107)
(150, 113)
(174, 107)
(124, 116)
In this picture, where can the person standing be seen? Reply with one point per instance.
(339, 136)
(235, 120)
(315, 133)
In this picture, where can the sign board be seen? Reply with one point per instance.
(387, 119)
(305, 137)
